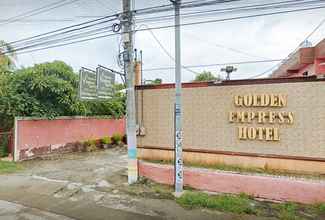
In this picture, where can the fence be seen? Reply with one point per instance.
(35, 137)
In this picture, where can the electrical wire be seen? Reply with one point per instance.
(116, 15)
(38, 11)
(215, 64)
(218, 20)
(167, 53)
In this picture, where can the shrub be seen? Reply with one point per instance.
(106, 140)
(90, 145)
(125, 139)
(4, 140)
(117, 139)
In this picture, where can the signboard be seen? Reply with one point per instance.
(263, 124)
(87, 84)
(97, 84)
(105, 83)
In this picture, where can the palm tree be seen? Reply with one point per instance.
(7, 56)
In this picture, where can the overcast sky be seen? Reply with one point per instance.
(269, 37)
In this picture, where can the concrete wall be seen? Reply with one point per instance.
(265, 187)
(206, 126)
(34, 137)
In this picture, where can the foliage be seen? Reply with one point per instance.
(9, 167)
(117, 139)
(49, 90)
(227, 203)
(90, 145)
(206, 76)
(7, 61)
(106, 140)
(156, 81)
(4, 139)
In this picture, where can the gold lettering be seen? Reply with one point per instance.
(255, 101)
(273, 101)
(242, 133)
(238, 101)
(248, 101)
(290, 117)
(241, 117)
(282, 100)
(281, 117)
(261, 117)
(250, 116)
(268, 134)
(276, 136)
(251, 133)
(271, 117)
(260, 133)
(231, 117)
(265, 100)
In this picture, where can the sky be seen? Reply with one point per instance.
(268, 37)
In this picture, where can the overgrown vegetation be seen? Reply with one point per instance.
(117, 139)
(244, 204)
(4, 141)
(49, 90)
(206, 76)
(227, 203)
(106, 140)
(9, 167)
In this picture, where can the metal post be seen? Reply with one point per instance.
(127, 35)
(178, 110)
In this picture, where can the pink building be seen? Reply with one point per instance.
(306, 61)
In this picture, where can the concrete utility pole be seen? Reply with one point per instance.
(178, 103)
(127, 37)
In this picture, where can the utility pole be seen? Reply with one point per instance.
(127, 37)
(178, 103)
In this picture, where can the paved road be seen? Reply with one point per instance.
(87, 186)
(13, 211)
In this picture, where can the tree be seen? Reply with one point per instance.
(205, 76)
(7, 61)
(156, 81)
(49, 90)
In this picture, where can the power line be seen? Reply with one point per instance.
(278, 64)
(116, 15)
(37, 11)
(215, 64)
(167, 53)
(107, 28)
(217, 20)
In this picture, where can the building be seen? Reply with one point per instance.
(306, 61)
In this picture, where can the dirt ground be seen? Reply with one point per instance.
(90, 186)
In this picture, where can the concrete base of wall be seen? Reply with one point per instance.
(272, 163)
(266, 187)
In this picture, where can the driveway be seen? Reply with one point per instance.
(88, 186)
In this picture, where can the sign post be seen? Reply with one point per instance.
(96, 85)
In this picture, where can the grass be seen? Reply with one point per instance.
(244, 204)
(241, 204)
(240, 169)
(9, 167)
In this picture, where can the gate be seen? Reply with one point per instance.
(6, 143)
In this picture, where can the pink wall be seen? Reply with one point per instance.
(266, 187)
(43, 135)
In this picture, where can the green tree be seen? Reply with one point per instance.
(156, 81)
(49, 90)
(7, 61)
(205, 76)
